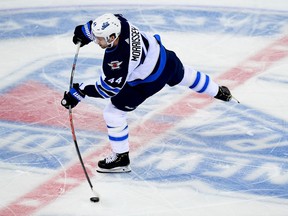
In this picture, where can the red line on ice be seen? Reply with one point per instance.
(29, 106)
(48, 191)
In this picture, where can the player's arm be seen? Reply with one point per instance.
(107, 86)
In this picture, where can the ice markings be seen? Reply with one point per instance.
(38, 147)
(50, 22)
(173, 160)
(231, 167)
(186, 19)
(151, 19)
(248, 144)
(6, 26)
(234, 21)
(247, 153)
(197, 21)
(273, 173)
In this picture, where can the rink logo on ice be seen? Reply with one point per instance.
(184, 19)
(224, 155)
(254, 161)
(38, 147)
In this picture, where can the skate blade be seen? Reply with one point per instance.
(124, 169)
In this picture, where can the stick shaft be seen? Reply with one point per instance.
(74, 66)
(71, 118)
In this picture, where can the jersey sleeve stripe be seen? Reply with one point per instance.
(108, 88)
(101, 92)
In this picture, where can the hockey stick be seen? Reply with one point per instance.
(96, 197)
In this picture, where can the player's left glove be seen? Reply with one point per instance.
(223, 94)
(73, 97)
(82, 34)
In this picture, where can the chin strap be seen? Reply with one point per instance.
(111, 43)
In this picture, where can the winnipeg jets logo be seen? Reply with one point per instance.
(115, 65)
(105, 25)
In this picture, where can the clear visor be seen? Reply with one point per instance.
(101, 40)
(95, 38)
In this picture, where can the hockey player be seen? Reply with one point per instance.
(136, 65)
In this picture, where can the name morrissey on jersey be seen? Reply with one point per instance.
(136, 43)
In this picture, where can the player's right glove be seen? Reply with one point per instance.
(224, 94)
(82, 34)
(73, 97)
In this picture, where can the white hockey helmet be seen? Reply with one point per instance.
(105, 26)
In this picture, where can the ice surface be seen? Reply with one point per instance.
(191, 155)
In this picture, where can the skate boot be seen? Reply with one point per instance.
(223, 94)
(115, 163)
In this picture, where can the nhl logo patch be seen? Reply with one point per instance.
(115, 65)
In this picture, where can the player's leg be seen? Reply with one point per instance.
(117, 128)
(203, 83)
(198, 81)
(115, 114)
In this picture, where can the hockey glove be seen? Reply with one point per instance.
(73, 97)
(82, 34)
(223, 94)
